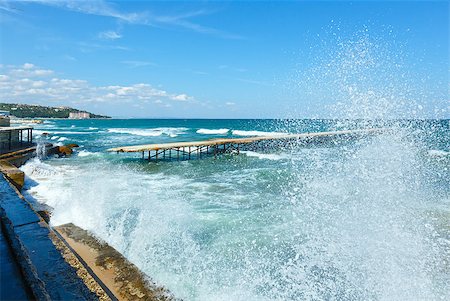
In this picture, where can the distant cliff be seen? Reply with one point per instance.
(36, 111)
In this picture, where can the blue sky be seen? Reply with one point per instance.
(214, 59)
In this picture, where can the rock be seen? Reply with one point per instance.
(72, 145)
(64, 151)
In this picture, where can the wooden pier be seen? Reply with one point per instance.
(196, 149)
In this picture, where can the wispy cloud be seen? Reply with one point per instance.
(136, 64)
(255, 82)
(94, 7)
(107, 9)
(89, 47)
(109, 35)
(69, 58)
(226, 67)
(29, 82)
(6, 6)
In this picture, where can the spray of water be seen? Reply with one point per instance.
(41, 150)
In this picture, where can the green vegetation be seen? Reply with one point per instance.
(36, 111)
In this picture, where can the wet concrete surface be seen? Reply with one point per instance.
(12, 286)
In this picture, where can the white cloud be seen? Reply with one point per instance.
(180, 97)
(229, 103)
(28, 66)
(109, 35)
(29, 70)
(20, 84)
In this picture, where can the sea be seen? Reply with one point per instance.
(365, 219)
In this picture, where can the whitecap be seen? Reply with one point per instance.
(438, 153)
(70, 133)
(213, 132)
(274, 157)
(85, 153)
(154, 132)
(63, 139)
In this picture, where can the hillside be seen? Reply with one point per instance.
(36, 111)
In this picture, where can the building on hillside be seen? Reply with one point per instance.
(79, 115)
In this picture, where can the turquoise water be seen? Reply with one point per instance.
(362, 220)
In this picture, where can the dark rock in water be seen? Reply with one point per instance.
(64, 151)
(72, 145)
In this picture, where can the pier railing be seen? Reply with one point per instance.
(15, 137)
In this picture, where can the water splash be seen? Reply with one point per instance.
(41, 149)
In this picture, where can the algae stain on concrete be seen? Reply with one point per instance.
(122, 277)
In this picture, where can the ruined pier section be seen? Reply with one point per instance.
(198, 149)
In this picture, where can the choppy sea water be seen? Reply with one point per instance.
(364, 220)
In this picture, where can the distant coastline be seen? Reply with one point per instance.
(38, 111)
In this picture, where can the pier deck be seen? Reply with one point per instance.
(184, 150)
